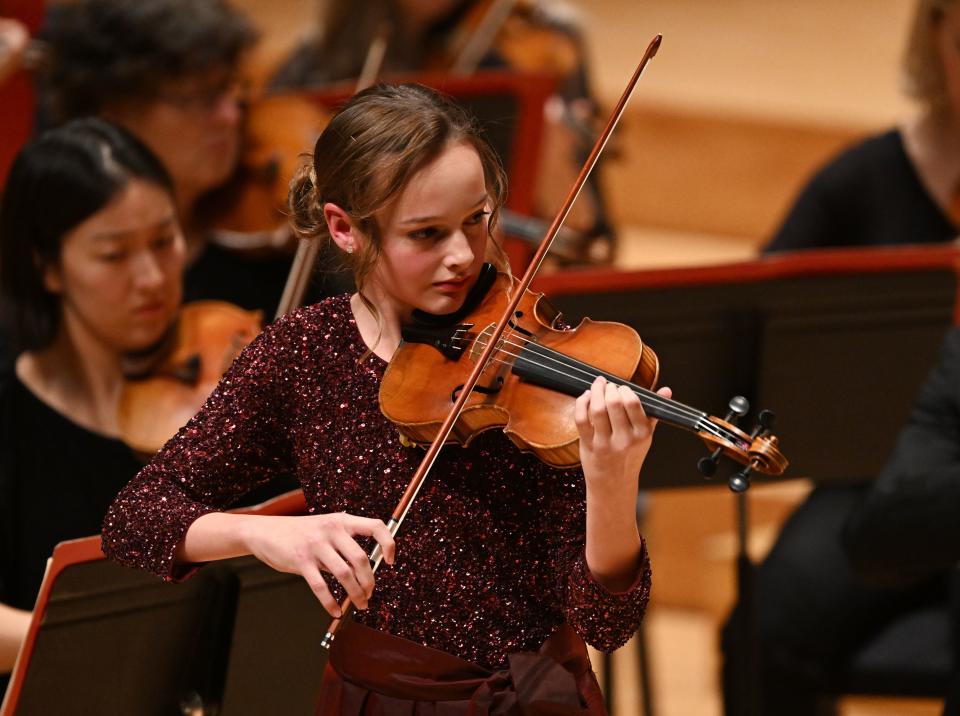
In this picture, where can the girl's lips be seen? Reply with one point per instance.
(451, 285)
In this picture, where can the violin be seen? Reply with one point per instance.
(248, 213)
(520, 34)
(529, 386)
(170, 385)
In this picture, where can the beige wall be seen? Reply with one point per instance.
(745, 99)
(828, 61)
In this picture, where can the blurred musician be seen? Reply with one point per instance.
(91, 263)
(169, 71)
(902, 186)
(813, 611)
(441, 36)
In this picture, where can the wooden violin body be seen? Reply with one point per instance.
(530, 387)
(549, 430)
(207, 336)
(249, 211)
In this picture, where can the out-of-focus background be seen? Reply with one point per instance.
(745, 100)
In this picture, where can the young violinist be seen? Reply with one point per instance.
(502, 563)
(91, 263)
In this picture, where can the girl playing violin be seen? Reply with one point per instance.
(503, 564)
(91, 261)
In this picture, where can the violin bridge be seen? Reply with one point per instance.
(481, 343)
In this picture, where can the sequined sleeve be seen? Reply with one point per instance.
(237, 441)
(604, 619)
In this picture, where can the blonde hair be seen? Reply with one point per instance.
(368, 153)
(923, 77)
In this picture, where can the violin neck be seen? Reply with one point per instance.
(550, 369)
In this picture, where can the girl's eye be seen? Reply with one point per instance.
(478, 217)
(428, 232)
(112, 257)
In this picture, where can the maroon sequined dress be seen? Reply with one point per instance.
(490, 559)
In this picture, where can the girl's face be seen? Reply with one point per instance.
(120, 271)
(434, 236)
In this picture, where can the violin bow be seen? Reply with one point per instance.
(308, 249)
(416, 482)
(480, 40)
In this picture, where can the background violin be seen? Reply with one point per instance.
(170, 386)
(248, 213)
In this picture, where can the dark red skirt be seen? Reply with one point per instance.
(371, 673)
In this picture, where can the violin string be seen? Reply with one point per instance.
(703, 424)
(671, 408)
(652, 397)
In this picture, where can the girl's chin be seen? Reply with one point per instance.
(448, 303)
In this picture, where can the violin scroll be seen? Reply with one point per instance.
(757, 451)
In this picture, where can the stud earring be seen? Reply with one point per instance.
(349, 248)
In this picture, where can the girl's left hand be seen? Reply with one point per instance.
(615, 434)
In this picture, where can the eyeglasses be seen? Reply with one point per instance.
(203, 98)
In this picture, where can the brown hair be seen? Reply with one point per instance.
(922, 67)
(111, 51)
(368, 153)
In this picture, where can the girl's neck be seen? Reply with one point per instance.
(78, 376)
(381, 334)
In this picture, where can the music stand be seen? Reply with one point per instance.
(837, 340)
(108, 639)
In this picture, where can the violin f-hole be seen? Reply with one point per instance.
(483, 389)
(517, 327)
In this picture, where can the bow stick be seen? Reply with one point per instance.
(416, 482)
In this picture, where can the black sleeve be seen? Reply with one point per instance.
(908, 525)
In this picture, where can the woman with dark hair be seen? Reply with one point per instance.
(166, 70)
(504, 564)
(91, 263)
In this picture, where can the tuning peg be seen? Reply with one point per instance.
(764, 423)
(739, 406)
(766, 419)
(740, 482)
(708, 465)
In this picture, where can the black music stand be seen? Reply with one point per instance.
(237, 639)
(836, 341)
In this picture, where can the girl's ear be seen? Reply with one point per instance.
(50, 275)
(340, 227)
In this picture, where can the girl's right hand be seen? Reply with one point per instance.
(307, 544)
